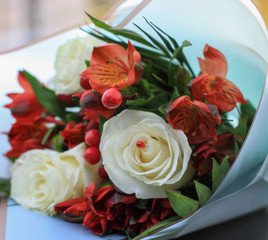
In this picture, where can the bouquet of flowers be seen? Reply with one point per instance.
(130, 138)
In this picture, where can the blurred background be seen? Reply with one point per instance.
(23, 21)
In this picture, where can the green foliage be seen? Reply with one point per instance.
(87, 62)
(219, 172)
(46, 97)
(47, 135)
(247, 113)
(241, 129)
(203, 192)
(182, 205)
(5, 186)
(157, 226)
(102, 120)
(160, 52)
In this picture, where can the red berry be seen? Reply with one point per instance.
(84, 83)
(102, 172)
(140, 144)
(111, 98)
(92, 138)
(92, 155)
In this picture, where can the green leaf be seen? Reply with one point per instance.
(120, 32)
(5, 186)
(247, 113)
(87, 62)
(47, 135)
(160, 80)
(241, 129)
(165, 41)
(73, 117)
(46, 97)
(219, 172)
(237, 148)
(182, 78)
(109, 182)
(203, 192)
(172, 40)
(186, 43)
(156, 227)
(182, 205)
(98, 23)
(154, 41)
(102, 121)
(130, 35)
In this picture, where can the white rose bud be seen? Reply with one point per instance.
(70, 63)
(43, 178)
(142, 154)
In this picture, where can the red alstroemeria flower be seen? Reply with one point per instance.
(212, 85)
(214, 63)
(102, 209)
(25, 136)
(196, 119)
(73, 134)
(112, 66)
(25, 106)
(146, 213)
(212, 149)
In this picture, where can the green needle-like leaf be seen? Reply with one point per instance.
(165, 41)
(98, 23)
(155, 42)
(174, 42)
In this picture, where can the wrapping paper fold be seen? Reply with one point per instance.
(238, 30)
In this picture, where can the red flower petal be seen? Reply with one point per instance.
(109, 53)
(25, 105)
(73, 134)
(214, 63)
(89, 190)
(78, 209)
(217, 91)
(61, 207)
(113, 66)
(194, 118)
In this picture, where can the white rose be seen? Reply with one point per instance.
(163, 163)
(43, 178)
(70, 63)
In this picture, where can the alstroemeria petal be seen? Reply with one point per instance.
(195, 119)
(112, 66)
(107, 75)
(133, 55)
(214, 63)
(217, 91)
(60, 207)
(109, 53)
(24, 82)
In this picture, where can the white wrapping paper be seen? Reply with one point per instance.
(233, 26)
